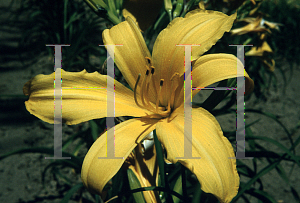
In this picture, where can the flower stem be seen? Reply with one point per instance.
(161, 165)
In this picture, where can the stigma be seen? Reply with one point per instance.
(144, 102)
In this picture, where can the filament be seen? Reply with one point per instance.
(135, 90)
(159, 93)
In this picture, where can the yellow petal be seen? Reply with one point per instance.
(269, 66)
(97, 172)
(254, 25)
(273, 25)
(143, 12)
(215, 171)
(260, 51)
(212, 68)
(201, 27)
(130, 57)
(78, 105)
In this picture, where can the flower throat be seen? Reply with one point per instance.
(158, 110)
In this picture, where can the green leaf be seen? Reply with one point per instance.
(161, 165)
(134, 184)
(217, 96)
(70, 193)
(94, 129)
(177, 188)
(261, 195)
(262, 172)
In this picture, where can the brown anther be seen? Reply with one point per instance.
(161, 82)
(152, 70)
(148, 60)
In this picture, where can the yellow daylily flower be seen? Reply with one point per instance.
(143, 12)
(262, 52)
(157, 101)
(254, 25)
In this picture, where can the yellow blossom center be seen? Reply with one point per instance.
(156, 108)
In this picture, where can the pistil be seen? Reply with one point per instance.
(143, 87)
(135, 91)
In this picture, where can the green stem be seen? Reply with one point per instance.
(161, 165)
(112, 18)
(184, 190)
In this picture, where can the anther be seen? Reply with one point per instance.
(145, 91)
(159, 93)
(161, 82)
(143, 87)
(152, 70)
(148, 60)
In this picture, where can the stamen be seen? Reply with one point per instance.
(152, 70)
(159, 93)
(153, 81)
(174, 86)
(135, 90)
(146, 94)
(143, 87)
(148, 60)
(161, 82)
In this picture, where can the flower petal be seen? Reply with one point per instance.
(96, 172)
(130, 57)
(199, 27)
(216, 173)
(264, 49)
(254, 25)
(78, 105)
(212, 68)
(144, 12)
